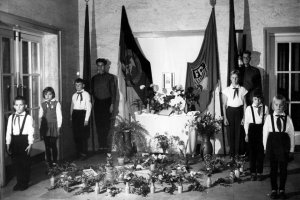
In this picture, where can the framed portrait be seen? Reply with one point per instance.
(168, 79)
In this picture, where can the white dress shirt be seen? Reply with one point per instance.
(237, 101)
(258, 117)
(28, 127)
(58, 113)
(289, 129)
(84, 104)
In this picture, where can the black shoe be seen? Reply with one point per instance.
(16, 187)
(253, 177)
(259, 177)
(273, 194)
(282, 194)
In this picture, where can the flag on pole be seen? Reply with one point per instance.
(232, 45)
(87, 67)
(203, 73)
(135, 68)
(87, 52)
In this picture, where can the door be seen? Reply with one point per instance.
(20, 65)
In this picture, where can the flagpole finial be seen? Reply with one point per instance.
(212, 2)
(86, 1)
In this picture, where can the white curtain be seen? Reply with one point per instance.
(170, 54)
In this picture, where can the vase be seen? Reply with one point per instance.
(180, 188)
(207, 147)
(208, 182)
(152, 188)
(237, 173)
(121, 161)
(97, 188)
(152, 167)
(127, 188)
(52, 181)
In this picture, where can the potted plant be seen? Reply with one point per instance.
(207, 126)
(125, 133)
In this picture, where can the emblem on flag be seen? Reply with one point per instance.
(199, 73)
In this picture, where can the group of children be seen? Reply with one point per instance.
(20, 130)
(263, 135)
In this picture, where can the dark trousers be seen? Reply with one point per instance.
(20, 159)
(256, 148)
(80, 132)
(235, 116)
(102, 121)
(282, 165)
(51, 149)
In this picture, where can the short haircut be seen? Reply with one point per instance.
(79, 80)
(18, 98)
(257, 93)
(48, 89)
(237, 72)
(247, 52)
(103, 60)
(281, 98)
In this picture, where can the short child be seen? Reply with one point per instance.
(255, 115)
(80, 113)
(51, 120)
(279, 143)
(19, 140)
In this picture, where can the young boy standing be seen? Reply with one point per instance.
(255, 115)
(80, 113)
(19, 140)
(279, 143)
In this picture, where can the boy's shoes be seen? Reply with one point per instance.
(273, 194)
(259, 177)
(282, 194)
(253, 177)
(16, 187)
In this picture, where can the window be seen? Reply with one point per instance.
(21, 66)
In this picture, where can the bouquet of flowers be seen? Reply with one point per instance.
(162, 141)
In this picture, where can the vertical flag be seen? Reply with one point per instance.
(203, 73)
(87, 67)
(232, 45)
(135, 68)
(86, 52)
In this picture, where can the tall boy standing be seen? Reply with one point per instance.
(80, 114)
(19, 140)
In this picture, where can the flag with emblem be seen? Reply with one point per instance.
(135, 68)
(203, 73)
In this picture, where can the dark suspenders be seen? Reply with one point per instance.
(23, 124)
(263, 117)
(284, 123)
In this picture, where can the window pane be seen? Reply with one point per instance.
(6, 55)
(35, 91)
(283, 85)
(25, 57)
(295, 56)
(283, 57)
(295, 93)
(295, 110)
(34, 58)
(7, 89)
(26, 90)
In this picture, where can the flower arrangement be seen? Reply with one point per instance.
(191, 99)
(162, 142)
(164, 100)
(206, 124)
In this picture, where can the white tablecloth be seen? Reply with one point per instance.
(173, 125)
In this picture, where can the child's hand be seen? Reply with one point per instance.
(242, 122)
(246, 138)
(28, 149)
(86, 123)
(226, 123)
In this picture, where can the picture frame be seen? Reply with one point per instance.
(168, 80)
